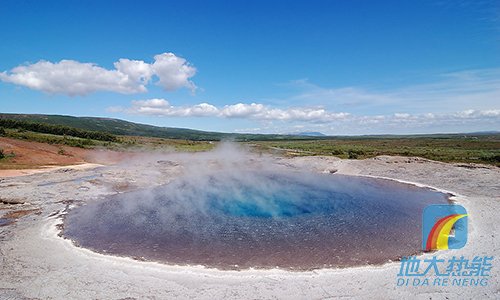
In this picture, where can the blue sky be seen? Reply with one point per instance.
(338, 67)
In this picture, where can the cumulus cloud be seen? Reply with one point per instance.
(401, 115)
(471, 113)
(262, 112)
(137, 70)
(72, 78)
(173, 71)
(161, 107)
(401, 121)
(321, 119)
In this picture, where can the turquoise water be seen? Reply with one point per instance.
(285, 198)
(259, 219)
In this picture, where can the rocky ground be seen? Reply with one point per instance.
(36, 263)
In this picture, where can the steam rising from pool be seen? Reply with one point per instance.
(245, 214)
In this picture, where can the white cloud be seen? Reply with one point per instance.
(137, 70)
(161, 107)
(491, 113)
(241, 110)
(263, 112)
(400, 121)
(471, 113)
(173, 71)
(72, 78)
(321, 119)
(155, 103)
(401, 115)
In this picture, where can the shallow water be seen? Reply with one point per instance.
(259, 219)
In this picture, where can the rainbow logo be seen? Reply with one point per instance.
(444, 227)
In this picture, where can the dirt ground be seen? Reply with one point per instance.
(27, 157)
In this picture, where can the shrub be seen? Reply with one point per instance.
(337, 152)
(2, 131)
(24, 126)
(352, 154)
(495, 158)
(2, 155)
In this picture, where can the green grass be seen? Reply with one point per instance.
(54, 139)
(122, 143)
(55, 129)
(467, 148)
(138, 143)
(485, 149)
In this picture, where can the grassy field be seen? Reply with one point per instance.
(122, 143)
(137, 143)
(55, 139)
(472, 148)
(476, 149)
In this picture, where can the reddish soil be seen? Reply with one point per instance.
(32, 155)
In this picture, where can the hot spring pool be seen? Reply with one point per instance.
(259, 219)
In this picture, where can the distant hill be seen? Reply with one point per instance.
(310, 133)
(121, 127)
